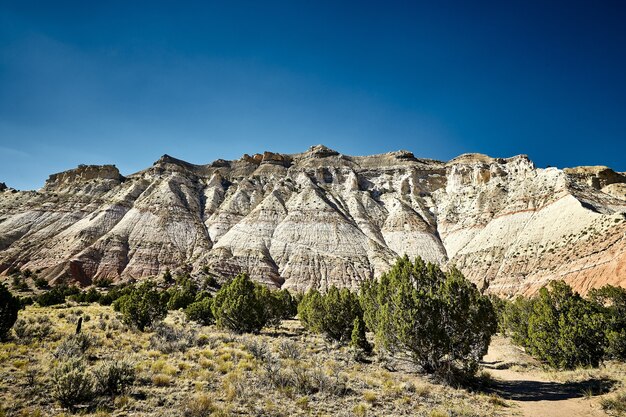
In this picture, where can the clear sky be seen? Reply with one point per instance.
(124, 82)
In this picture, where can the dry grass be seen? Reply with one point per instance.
(285, 373)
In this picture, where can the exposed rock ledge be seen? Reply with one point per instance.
(321, 218)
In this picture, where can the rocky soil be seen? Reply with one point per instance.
(321, 218)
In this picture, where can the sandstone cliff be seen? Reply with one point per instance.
(320, 218)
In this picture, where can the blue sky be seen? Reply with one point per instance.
(125, 82)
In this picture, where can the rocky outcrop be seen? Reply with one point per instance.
(320, 218)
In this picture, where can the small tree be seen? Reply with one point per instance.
(279, 306)
(237, 306)
(183, 295)
(167, 277)
(612, 303)
(515, 319)
(359, 340)
(200, 311)
(9, 306)
(142, 306)
(332, 313)
(440, 321)
(41, 283)
(564, 329)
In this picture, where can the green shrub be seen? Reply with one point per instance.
(201, 312)
(114, 377)
(238, 306)
(612, 302)
(25, 301)
(52, 297)
(114, 293)
(332, 313)
(19, 284)
(41, 283)
(278, 305)
(90, 296)
(440, 321)
(358, 339)
(183, 295)
(9, 306)
(564, 329)
(515, 319)
(210, 282)
(142, 306)
(103, 282)
(57, 295)
(72, 383)
(167, 277)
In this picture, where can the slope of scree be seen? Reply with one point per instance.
(320, 218)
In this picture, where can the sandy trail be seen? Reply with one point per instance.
(530, 393)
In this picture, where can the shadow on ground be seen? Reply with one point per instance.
(523, 390)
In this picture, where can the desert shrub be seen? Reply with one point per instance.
(332, 313)
(615, 405)
(41, 283)
(74, 345)
(199, 405)
(169, 339)
(52, 297)
(210, 282)
(90, 296)
(72, 383)
(499, 308)
(19, 284)
(114, 294)
(289, 349)
(301, 378)
(167, 277)
(259, 349)
(142, 306)
(56, 295)
(29, 330)
(201, 312)
(238, 306)
(114, 377)
(612, 303)
(103, 282)
(9, 306)
(440, 321)
(26, 301)
(564, 329)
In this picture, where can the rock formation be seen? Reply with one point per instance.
(320, 218)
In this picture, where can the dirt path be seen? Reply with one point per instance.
(531, 393)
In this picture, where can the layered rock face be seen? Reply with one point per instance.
(320, 218)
